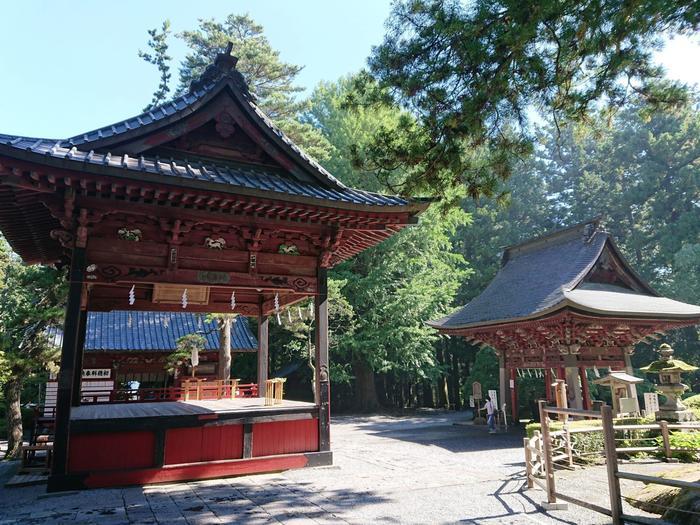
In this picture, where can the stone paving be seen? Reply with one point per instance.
(387, 470)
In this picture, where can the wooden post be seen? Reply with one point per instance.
(567, 443)
(663, 425)
(586, 389)
(263, 334)
(631, 388)
(548, 384)
(80, 351)
(247, 440)
(547, 459)
(66, 376)
(322, 375)
(513, 396)
(573, 386)
(502, 380)
(528, 463)
(611, 463)
(561, 398)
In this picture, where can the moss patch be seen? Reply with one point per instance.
(656, 498)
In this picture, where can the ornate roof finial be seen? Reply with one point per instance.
(224, 66)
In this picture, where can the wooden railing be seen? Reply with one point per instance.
(563, 443)
(543, 450)
(534, 461)
(189, 391)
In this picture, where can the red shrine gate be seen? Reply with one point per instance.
(566, 301)
(200, 205)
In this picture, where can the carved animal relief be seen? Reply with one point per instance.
(215, 244)
(126, 234)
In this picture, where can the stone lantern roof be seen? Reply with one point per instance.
(667, 364)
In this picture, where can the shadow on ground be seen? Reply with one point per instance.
(447, 435)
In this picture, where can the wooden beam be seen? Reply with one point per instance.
(80, 347)
(301, 222)
(59, 471)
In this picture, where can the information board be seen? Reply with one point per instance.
(494, 398)
(651, 403)
(476, 390)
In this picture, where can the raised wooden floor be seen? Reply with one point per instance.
(184, 408)
(136, 443)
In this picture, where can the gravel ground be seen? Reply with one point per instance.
(421, 469)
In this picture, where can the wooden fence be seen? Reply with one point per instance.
(546, 448)
(188, 391)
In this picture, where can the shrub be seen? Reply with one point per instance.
(683, 440)
(692, 401)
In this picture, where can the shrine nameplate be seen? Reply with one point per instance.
(173, 294)
(211, 277)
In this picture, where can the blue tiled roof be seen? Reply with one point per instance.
(159, 331)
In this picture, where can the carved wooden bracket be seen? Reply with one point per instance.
(175, 228)
(329, 245)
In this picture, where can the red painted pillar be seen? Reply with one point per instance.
(548, 384)
(561, 373)
(584, 386)
(513, 396)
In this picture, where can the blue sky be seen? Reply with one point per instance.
(68, 67)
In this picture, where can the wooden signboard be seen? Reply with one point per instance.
(476, 390)
(651, 403)
(97, 373)
(494, 398)
(172, 294)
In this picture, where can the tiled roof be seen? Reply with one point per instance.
(146, 118)
(542, 275)
(102, 149)
(615, 300)
(178, 105)
(247, 177)
(158, 331)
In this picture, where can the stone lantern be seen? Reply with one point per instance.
(670, 385)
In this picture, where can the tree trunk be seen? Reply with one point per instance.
(456, 400)
(225, 348)
(427, 395)
(13, 390)
(443, 397)
(365, 389)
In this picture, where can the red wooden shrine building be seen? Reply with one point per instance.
(134, 346)
(126, 355)
(201, 205)
(565, 302)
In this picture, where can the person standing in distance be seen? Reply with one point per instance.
(490, 415)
